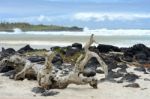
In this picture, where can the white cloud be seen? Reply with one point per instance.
(41, 18)
(85, 16)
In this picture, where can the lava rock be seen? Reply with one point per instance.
(89, 72)
(129, 77)
(141, 69)
(38, 90)
(54, 48)
(90, 68)
(4, 69)
(6, 53)
(146, 79)
(106, 48)
(49, 93)
(148, 69)
(99, 71)
(112, 74)
(123, 66)
(36, 58)
(140, 50)
(77, 45)
(140, 56)
(57, 60)
(27, 48)
(71, 51)
(133, 85)
(9, 51)
(122, 71)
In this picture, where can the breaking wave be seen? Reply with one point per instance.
(100, 32)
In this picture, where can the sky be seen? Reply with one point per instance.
(93, 14)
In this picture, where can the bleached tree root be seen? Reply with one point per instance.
(76, 77)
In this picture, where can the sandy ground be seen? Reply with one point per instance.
(106, 90)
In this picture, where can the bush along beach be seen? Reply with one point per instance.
(59, 67)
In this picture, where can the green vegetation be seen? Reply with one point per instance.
(9, 27)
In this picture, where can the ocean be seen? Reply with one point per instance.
(120, 38)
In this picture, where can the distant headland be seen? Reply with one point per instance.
(9, 27)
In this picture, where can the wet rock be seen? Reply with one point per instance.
(133, 85)
(36, 58)
(106, 48)
(27, 48)
(129, 77)
(141, 69)
(77, 45)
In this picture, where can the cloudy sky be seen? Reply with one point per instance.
(111, 14)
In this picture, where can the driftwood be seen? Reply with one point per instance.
(75, 76)
(17, 62)
(48, 79)
(88, 55)
(35, 69)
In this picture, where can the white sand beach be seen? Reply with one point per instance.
(106, 90)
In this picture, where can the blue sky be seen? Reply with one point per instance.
(111, 14)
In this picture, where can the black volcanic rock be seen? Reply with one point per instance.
(6, 52)
(70, 51)
(77, 45)
(129, 77)
(106, 48)
(9, 51)
(57, 60)
(36, 58)
(141, 69)
(140, 50)
(133, 85)
(27, 48)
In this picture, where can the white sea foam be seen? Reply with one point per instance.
(100, 32)
(44, 43)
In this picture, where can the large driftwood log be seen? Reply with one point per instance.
(74, 77)
(48, 80)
